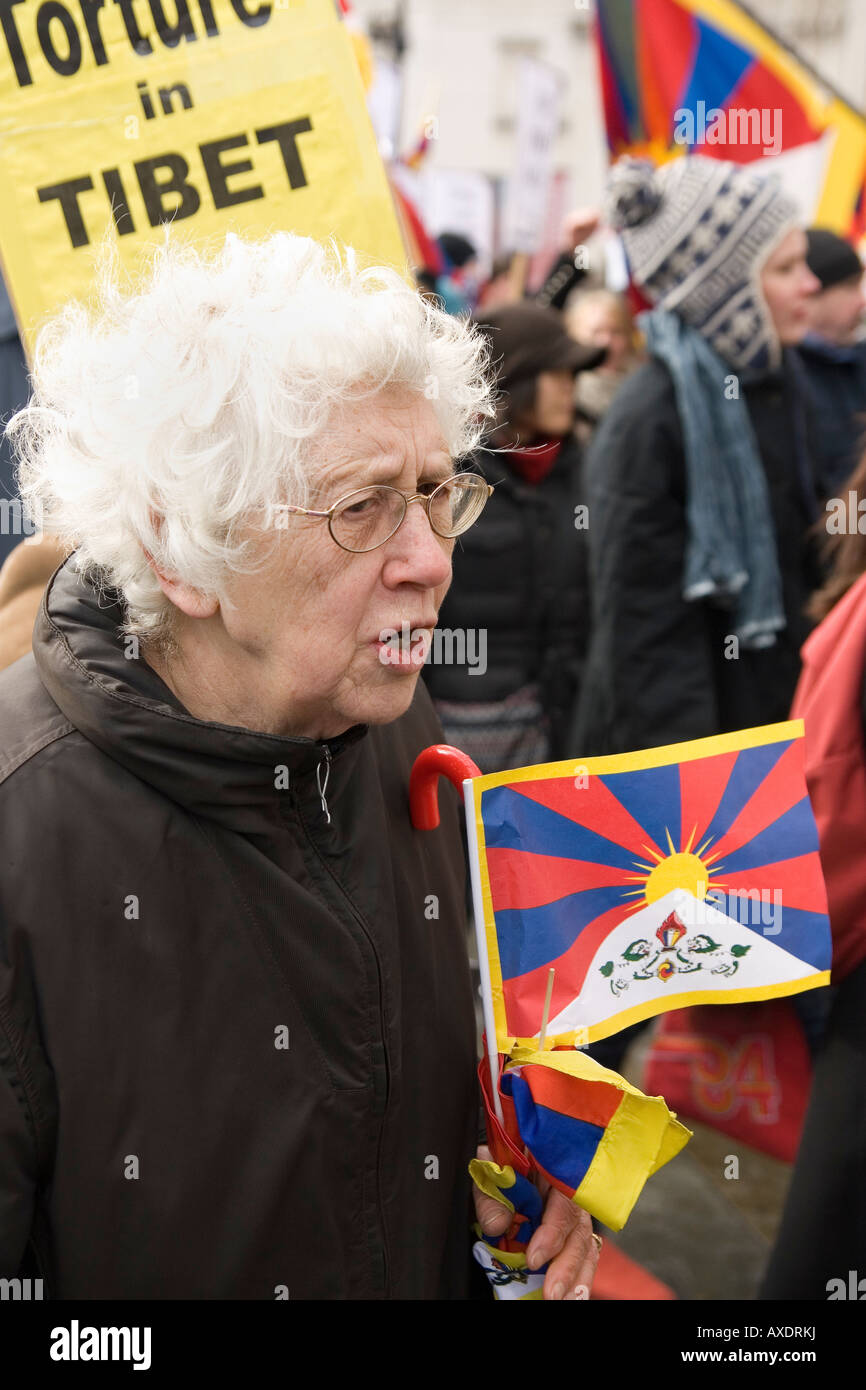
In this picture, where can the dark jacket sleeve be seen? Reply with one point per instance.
(649, 676)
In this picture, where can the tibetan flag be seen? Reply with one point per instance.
(503, 1258)
(648, 881)
(591, 1134)
(704, 75)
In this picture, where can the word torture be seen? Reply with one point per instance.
(64, 33)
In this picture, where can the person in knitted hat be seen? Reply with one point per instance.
(834, 356)
(518, 598)
(700, 480)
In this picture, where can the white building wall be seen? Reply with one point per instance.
(461, 56)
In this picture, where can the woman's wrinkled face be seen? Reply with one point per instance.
(788, 284)
(314, 624)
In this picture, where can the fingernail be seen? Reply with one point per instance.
(534, 1258)
(557, 1291)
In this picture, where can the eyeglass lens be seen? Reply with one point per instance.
(369, 517)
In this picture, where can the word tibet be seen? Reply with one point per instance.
(166, 186)
(75, 1343)
(63, 46)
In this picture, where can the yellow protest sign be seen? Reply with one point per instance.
(117, 116)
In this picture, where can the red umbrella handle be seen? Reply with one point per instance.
(440, 760)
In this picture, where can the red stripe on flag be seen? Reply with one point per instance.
(521, 879)
(783, 786)
(667, 41)
(760, 90)
(524, 994)
(799, 880)
(595, 1102)
(702, 783)
(593, 806)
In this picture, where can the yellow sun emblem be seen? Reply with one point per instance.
(689, 869)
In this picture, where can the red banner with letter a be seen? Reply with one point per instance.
(744, 1070)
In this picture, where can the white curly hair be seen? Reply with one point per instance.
(173, 414)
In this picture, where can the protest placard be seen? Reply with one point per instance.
(117, 116)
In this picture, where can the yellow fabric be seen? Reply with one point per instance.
(626, 1017)
(640, 1138)
(490, 1179)
(212, 102)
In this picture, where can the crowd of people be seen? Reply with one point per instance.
(637, 524)
(708, 449)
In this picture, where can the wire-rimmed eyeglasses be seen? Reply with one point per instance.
(369, 516)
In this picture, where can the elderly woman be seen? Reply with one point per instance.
(236, 1026)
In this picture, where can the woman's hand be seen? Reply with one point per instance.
(565, 1238)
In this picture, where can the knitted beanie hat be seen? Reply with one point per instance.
(697, 232)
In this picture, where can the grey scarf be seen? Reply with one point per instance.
(731, 552)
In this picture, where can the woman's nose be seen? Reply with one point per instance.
(416, 554)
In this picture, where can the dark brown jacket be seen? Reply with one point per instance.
(170, 918)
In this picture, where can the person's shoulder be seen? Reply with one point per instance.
(640, 427)
(30, 721)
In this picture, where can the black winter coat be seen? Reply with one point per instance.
(520, 575)
(836, 382)
(657, 670)
(237, 1044)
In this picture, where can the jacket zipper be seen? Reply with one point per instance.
(322, 785)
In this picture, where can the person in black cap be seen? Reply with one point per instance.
(517, 608)
(834, 357)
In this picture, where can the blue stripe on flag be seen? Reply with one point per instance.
(512, 821)
(563, 1146)
(795, 830)
(752, 765)
(531, 936)
(804, 934)
(718, 67)
(652, 796)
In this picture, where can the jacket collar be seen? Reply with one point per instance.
(121, 705)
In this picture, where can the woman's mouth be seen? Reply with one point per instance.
(405, 648)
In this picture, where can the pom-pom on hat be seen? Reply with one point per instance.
(633, 194)
(697, 232)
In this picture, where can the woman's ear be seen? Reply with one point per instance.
(188, 600)
(192, 602)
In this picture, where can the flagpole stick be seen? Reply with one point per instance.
(481, 942)
(546, 1015)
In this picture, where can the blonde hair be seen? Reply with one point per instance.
(587, 299)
